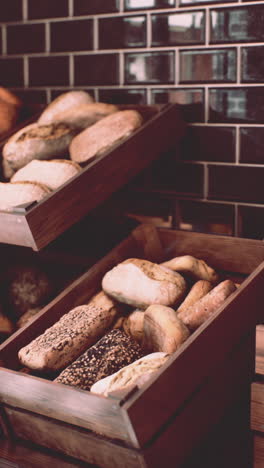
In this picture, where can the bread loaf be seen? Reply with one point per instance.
(18, 193)
(85, 115)
(194, 267)
(76, 330)
(197, 291)
(100, 137)
(136, 373)
(52, 173)
(112, 352)
(201, 310)
(133, 325)
(141, 283)
(163, 330)
(10, 106)
(37, 142)
(27, 317)
(63, 103)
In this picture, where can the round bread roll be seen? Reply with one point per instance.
(163, 330)
(18, 193)
(64, 102)
(141, 283)
(101, 136)
(85, 115)
(52, 173)
(136, 373)
(37, 142)
(10, 106)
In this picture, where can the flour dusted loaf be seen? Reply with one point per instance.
(194, 267)
(52, 173)
(202, 309)
(101, 136)
(76, 330)
(37, 141)
(141, 283)
(18, 193)
(63, 103)
(85, 115)
(163, 330)
(112, 352)
(136, 373)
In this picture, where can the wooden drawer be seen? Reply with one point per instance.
(178, 407)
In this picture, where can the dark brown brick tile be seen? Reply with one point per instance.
(11, 72)
(252, 64)
(11, 10)
(47, 9)
(178, 28)
(49, 71)
(26, 38)
(123, 96)
(140, 4)
(236, 183)
(101, 69)
(209, 144)
(71, 35)
(149, 67)
(251, 222)
(252, 145)
(237, 104)
(208, 66)
(95, 7)
(129, 31)
(190, 100)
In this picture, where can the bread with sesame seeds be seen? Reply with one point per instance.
(76, 330)
(111, 353)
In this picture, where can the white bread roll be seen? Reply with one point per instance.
(76, 330)
(100, 137)
(52, 173)
(85, 115)
(163, 330)
(136, 373)
(37, 142)
(63, 103)
(18, 193)
(194, 267)
(141, 283)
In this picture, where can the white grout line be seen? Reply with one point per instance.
(96, 33)
(237, 146)
(71, 70)
(206, 181)
(121, 69)
(24, 10)
(70, 8)
(47, 37)
(149, 30)
(207, 27)
(238, 67)
(206, 105)
(121, 5)
(236, 221)
(4, 40)
(26, 72)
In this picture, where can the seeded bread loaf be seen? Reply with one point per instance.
(18, 193)
(163, 330)
(85, 115)
(37, 142)
(194, 267)
(52, 173)
(112, 352)
(76, 330)
(136, 373)
(100, 137)
(62, 103)
(201, 310)
(141, 283)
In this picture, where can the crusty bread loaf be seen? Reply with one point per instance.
(37, 142)
(10, 106)
(27, 317)
(6, 325)
(85, 115)
(199, 289)
(201, 310)
(133, 325)
(194, 267)
(7, 170)
(101, 136)
(141, 283)
(136, 373)
(76, 330)
(63, 103)
(52, 173)
(112, 352)
(163, 330)
(18, 193)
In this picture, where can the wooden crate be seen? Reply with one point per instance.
(161, 129)
(165, 421)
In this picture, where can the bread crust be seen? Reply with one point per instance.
(194, 267)
(63, 103)
(199, 289)
(18, 193)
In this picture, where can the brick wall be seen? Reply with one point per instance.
(206, 55)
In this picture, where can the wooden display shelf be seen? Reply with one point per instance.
(163, 422)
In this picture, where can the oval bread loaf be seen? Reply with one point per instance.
(52, 173)
(37, 142)
(100, 137)
(141, 283)
(136, 373)
(201, 310)
(112, 352)
(194, 267)
(163, 330)
(18, 193)
(76, 330)
(63, 103)
(133, 325)
(197, 291)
